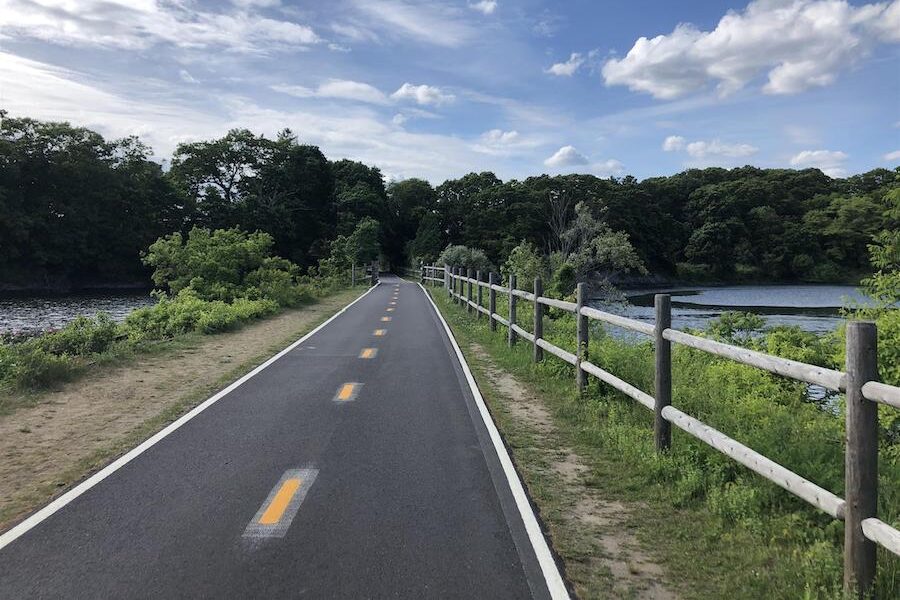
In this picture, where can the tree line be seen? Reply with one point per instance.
(77, 209)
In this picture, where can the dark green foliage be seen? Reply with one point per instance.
(77, 209)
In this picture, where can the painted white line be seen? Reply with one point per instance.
(35, 519)
(274, 517)
(552, 576)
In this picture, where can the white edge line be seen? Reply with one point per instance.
(555, 584)
(44, 513)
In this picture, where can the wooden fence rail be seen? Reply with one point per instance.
(862, 528)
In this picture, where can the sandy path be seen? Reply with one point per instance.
(46, 448)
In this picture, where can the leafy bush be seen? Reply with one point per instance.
(220, 265)
(30, 367)
(81, 337)
(463, 256)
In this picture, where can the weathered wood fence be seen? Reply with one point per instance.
(862, 528)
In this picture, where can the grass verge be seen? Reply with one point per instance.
(717, 529)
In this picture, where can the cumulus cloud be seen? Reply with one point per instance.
(567, 156)
(702, 149)
(608, 168)
(892, 156)
(497, 142)
(799, 44)
(568, 67)
(673, 143)
(130, 25)
(830, 162)
(486, 7)
(423, 94)
(337, 88)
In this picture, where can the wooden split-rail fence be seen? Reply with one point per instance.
(862, 528)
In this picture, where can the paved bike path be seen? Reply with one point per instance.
(295, 484)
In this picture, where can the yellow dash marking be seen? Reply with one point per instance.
(368, 353)
(390, 310)
(379, 332)
(280, 502)
(346, 391)
(392, 302)
(385, 319)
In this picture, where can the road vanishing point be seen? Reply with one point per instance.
(360, 462)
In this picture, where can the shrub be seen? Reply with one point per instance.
(33, 368)
(463, 256)
(81, 337)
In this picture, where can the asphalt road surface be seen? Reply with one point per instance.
(356, 465)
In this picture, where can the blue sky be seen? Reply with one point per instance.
(438, 89)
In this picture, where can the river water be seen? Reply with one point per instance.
(812, 307)
(32, 314)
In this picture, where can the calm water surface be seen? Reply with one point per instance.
(813, 308)
(31, 314)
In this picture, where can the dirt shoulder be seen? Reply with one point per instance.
(75, 430)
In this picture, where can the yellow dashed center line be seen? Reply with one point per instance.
(379, 332)
(280, 502)
(346, 391)
(368, 353)
(390, 310)
(385, 319)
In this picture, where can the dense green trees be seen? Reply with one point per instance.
(75, 208)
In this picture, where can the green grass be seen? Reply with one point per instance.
(720, 530)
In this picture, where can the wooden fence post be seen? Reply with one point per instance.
(447, 279)
(582, 338)
(478, 295)
(511, 339)
(453, 284)
(469, 291)
(860, 459)
(662, 429)
(538, 320)
(492, 301)
(422, 275)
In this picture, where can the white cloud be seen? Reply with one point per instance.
(337, 88)
(486, 7)
(702, 149)
(608, 168)
(338, 47)
(423, 94)
(673, 143)
(187, 77)
(798, 43)
(354, 32)
(567, 156)
(497, 142)
(830, 162)
(498, 137)
(892, 156)
(439, 24)
(140, 25)
(567, 68)
(355, 131)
